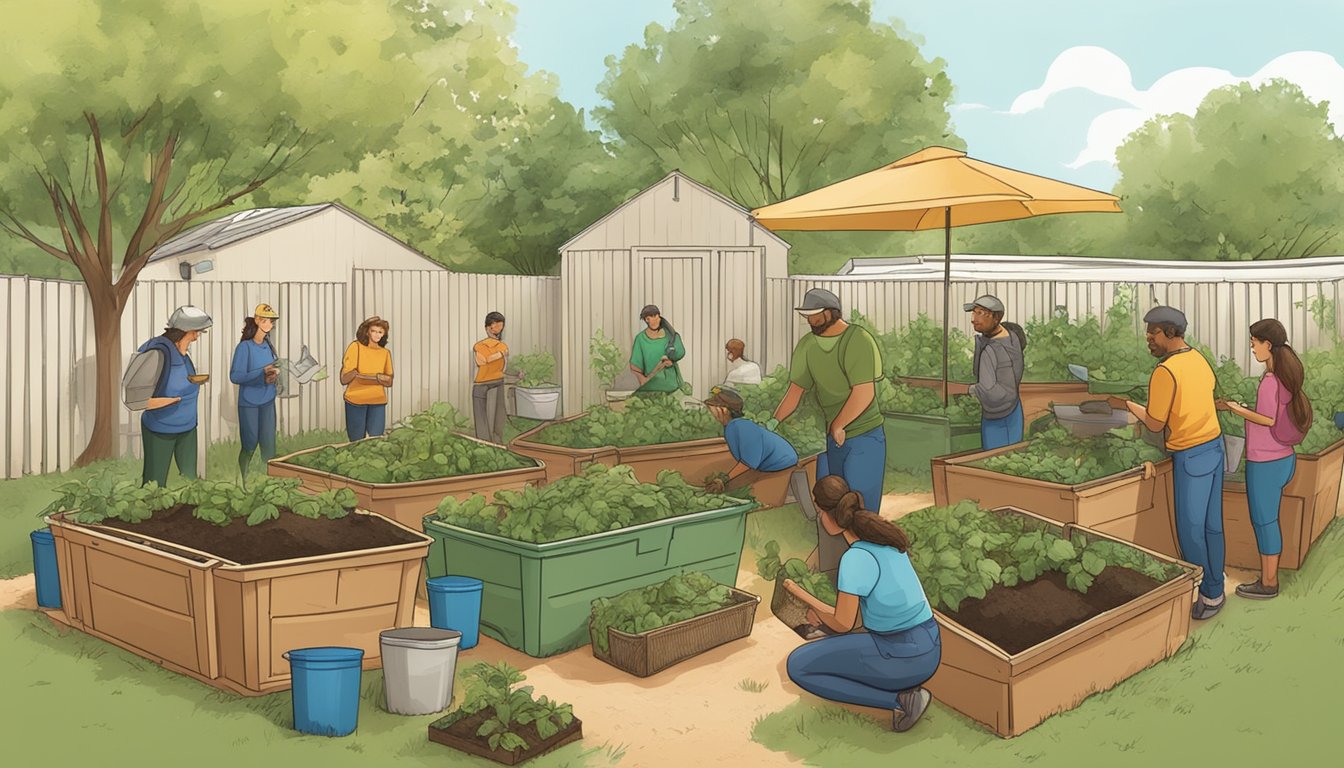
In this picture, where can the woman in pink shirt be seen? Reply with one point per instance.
(1279, 421)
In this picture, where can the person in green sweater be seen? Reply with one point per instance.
(655, 355)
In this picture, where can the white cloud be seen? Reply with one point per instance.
(969, 106)
(1099, 71)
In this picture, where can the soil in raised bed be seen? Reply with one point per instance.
(466, 728)
(1017, 618)
(288, 537)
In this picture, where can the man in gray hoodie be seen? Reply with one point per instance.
(998, 373)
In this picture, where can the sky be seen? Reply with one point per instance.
(1047, 86)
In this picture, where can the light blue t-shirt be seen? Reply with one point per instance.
(889, 592)
(758, 447)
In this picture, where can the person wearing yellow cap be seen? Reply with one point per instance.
(255, 372)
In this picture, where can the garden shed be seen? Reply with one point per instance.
(694, 253)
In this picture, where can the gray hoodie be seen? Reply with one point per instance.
(998, 373)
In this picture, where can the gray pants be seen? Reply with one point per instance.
(487, 410)
(829, 548)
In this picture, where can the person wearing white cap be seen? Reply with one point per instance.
(998, 366)
(254, 371)
(162, 381)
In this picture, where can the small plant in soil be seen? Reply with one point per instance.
(605, 359)
(1058, 457)
(536, 369)
(816, 584)
(752, 686)
(678, 598)
(503, 715)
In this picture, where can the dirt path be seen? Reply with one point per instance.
(18, 592)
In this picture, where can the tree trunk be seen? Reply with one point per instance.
(108, 354)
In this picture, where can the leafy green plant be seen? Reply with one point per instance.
(678, 598)
(103, 498)
(601, 499)
(815, 584)
(605, 358)
(495, 689)
(535, 370)
(1056, 456)
(644, 421)
(917, 350)
(805, 429)
(898, 397)
(1322, 311)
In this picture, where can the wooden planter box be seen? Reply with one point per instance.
(1012, 693)
(694, 459)
(1134, 506)
(227, 624)
(1036, 395)
(1309, 504)
(407, 503)
(569, 734)
(771, 489)
(651, 652)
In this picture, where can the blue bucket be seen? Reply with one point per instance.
(325, 689)
(45, 573)
(455, 603)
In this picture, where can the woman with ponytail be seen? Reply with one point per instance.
(1280, 419)
(887, 666)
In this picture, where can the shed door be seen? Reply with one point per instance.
(678, 282)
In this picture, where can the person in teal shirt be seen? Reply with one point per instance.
(657, 350)
(887, 666)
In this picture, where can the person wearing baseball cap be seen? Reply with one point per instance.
(255, 372)
(998, 366)
(1181, 402)
(163, 369)
(753, 446)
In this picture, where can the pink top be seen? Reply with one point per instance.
(1271, 399)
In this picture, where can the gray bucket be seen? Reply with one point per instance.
(418, 668)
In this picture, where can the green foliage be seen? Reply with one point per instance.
(645, 421)
(1322, 311)
(961, 552)
(605, 358)
(679, 598)
(917, 350)
(599, 500)
(1058, 457)
(536, 369)
(495, 688)
(423, 447)
(898, 397)
(815, 584)
(805, 429)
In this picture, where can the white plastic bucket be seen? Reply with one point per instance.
(418, 668)
(1233, 449)
(540, 403)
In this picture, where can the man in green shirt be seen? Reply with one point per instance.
(655, 354)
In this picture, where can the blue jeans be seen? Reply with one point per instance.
(868, 668)
(862, 461)
(1006, 430)
(365, 420)
(1264, 490)
(256, 426)
(1197, 480)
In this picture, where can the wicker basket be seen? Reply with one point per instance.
(793, 612)
(651, 652)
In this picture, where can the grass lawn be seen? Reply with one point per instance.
(1254, 686)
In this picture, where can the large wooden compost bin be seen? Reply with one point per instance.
(1134, 505)
(1012, 693)
(1309, 504)
(538, 597)
(227, 624)
(694, 459)
(1036, 396)
(407, 503)
(915, 439)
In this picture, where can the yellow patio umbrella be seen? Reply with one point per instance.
(935, 188)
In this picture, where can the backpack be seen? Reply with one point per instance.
(1284, 431)
(135, 391)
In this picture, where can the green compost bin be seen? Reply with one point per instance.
(915, 439)
(537, 598)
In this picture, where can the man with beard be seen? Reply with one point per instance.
(840, 364)
(1180, 400)
(487, 392)
(998, 373)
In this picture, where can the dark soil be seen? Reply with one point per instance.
(466, 728)
(1017, 618)
(288, 537)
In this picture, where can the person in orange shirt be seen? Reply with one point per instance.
(366, 372)
(487, 392)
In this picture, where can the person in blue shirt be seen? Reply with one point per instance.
(753, 446)
(255, 372)
(887, 666)
(161, 381)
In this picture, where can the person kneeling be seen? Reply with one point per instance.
(887, 666)
(753, 447)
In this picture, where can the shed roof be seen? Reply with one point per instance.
(230, 229)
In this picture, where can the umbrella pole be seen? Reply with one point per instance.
(947, 290)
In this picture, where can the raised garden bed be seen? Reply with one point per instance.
(1039, 616)
(1309, 504)
(1036, 396)
(918, 427)
(644, 631)
(223, 603)
(1133, 504)
(769, 489)
(503, 723)
(544, 555)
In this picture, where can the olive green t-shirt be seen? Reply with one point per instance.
(817, 368)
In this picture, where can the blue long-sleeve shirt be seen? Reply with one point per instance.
(758, 447)
(248, 372)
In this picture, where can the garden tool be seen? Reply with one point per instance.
(307, 368)
(1079, 371)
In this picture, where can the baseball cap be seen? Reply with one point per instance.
(266, 310)
(1158, 315)
(988, 302)
(818, 299)
(189, 318)
(725, 397)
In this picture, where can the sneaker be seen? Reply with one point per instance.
(1258, 591)
(1204, 610)
(913, 703)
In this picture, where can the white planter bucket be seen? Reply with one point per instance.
(418, 668)
(541, 403)
(1233, 449)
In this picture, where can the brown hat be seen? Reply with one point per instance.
(725, 397)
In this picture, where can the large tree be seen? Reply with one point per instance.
(766, 104)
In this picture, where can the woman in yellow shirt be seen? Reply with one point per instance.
(366, 372)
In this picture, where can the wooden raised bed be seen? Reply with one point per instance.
(443, 733)
(1012, 693)
(694, 459)
(771, 489)
(227, 624)
(1310, 503)
(407, 503)
(1134, 506)
(1036, 396)
(651, 652)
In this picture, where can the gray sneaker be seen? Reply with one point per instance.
(1258, 591)
(1203, 610)
(913, 702)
